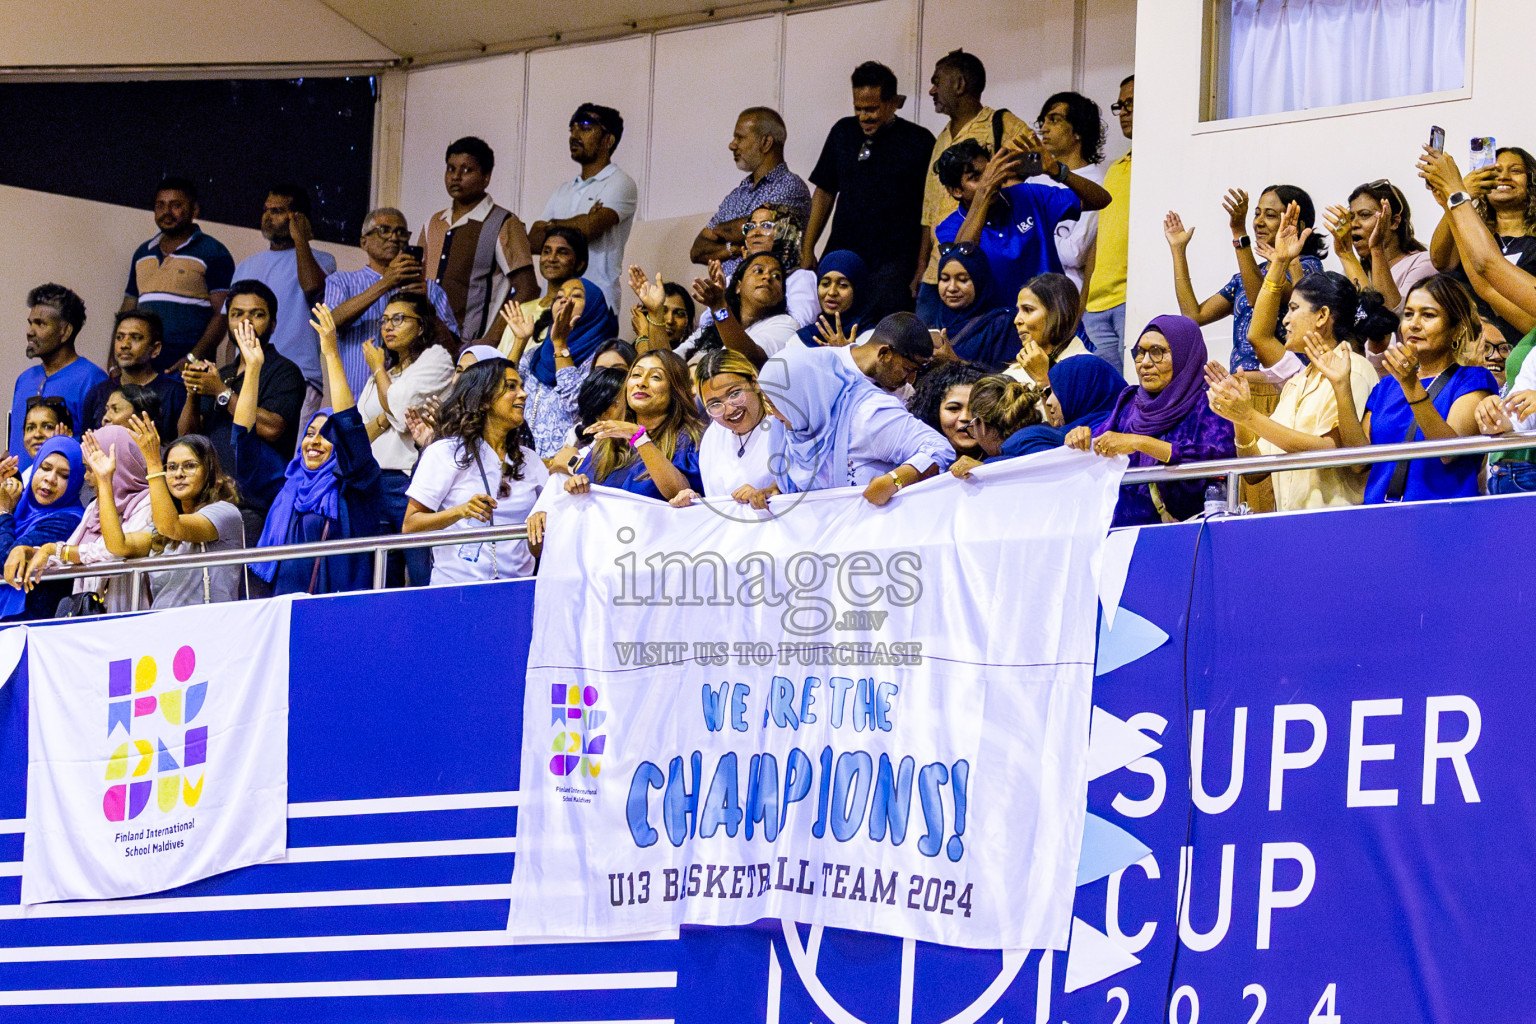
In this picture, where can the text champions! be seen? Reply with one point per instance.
(849, 790)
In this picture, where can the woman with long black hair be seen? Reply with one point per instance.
(481, 471)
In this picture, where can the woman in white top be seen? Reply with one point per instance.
(407, 371)
(483, 471)
(1046, 320)
(747, 313)
(194, 510)
(743, 436)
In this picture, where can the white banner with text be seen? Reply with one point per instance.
(158, 749)
(869, 718)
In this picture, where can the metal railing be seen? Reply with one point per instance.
(379, 547)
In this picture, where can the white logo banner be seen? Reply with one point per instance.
(869, 718)
(158, 749)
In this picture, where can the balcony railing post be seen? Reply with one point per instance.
(380, 568)
(1234, 492)
(135, 585)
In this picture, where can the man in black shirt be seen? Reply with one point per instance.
(136, 339)
(874, 165)
(210, 406)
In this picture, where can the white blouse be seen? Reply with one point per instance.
(428, 375)
(725, 463)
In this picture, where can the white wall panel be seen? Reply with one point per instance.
(705, 77)
(483, 98)
(822, 48)
(615, 74)
(1026, 46)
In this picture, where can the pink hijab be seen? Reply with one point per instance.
(130, 485)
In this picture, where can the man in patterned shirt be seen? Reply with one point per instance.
(758, 146)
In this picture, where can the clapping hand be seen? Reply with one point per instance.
(103, 464)
(517, 321)
(709, 290)
(1229, 398)
(8, 466)
(1291, 238)
(652, 294)
(564, 314)
(1492, 419)
(147, 437)
(1340, 224)
(422, 428)
(201, 378)
(373, 355)
(1402, 362)
(10, 493)
(1235, 202)
(1329, 361)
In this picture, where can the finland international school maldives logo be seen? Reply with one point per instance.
(578, 746)
(157, 748)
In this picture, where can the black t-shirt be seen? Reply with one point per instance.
(1519, 250)
(172, 396)
(878, 181)
(282, 392)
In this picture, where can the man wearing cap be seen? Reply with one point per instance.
(599, 202)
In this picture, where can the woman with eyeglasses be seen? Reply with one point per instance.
(44, 510)
(654, 449)
(1373, 238)
(738, 448)
(1236, 299)
(409, 368)
(482, 471)
(776, 228)
(1164, 420)
(194, 510)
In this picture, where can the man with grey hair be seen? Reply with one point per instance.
(357, 297)
(757, 145)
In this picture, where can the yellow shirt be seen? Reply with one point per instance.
(1107, 289)
(937, 202)
(1307, 405)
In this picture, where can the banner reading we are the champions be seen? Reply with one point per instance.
(870, 718)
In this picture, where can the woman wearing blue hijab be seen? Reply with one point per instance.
(47, 509)
(975, 316)
(843, 295)
(332, 489)
(1083, 394)
(580, 321)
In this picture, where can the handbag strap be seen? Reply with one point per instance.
(485, 480)
(314, 573)
(1399, 482)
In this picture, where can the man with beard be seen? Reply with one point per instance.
(357, 297)
(54, 318)
(599, 202)
(182, 276)
(296, 274)
(136, 339)
(757, 146)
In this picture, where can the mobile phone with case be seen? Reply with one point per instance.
(1484, 153)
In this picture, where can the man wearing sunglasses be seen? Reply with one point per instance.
(357, 297)
(599, 202)
(55, 315)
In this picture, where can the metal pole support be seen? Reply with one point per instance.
(380, 568)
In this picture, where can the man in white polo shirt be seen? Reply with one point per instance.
(599, 202)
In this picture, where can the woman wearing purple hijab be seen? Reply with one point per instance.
(1164, 421)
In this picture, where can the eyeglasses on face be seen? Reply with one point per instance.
(957, 249)
(1156, 355)
(737, 397)
(396, 319)
(385, 232)
(1121, 106)
(762, 225)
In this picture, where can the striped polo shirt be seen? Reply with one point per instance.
(179, 288)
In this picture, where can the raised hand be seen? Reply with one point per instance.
(517, 321)
(1378, 236)
(709, 290)
(564, 312)
(651, 294)
(1177, 234)
(103, 464)
(249, 345)
(1215, 373)
(422, 430)
(1030, 142)
(831, 331)
(299, 228)
(9, 466)
(1329, 361)
(1402, 362)
(10, 493)
(324, 325)
(147, 437)
(1441, 175)
(1289, 241)
(1340, 223)
(1235, 202)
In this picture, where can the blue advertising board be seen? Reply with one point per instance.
(1357, 847)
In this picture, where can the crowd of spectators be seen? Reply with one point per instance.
(968, 306)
